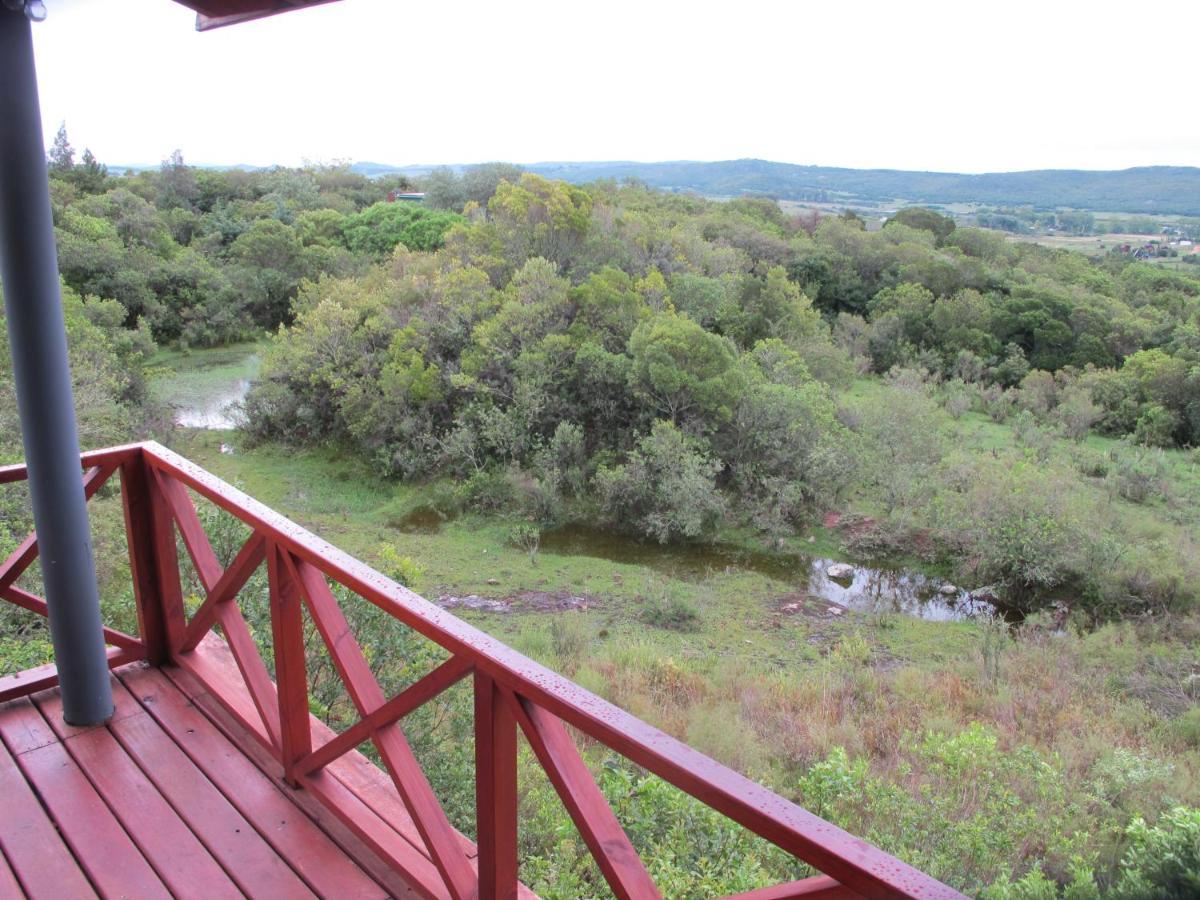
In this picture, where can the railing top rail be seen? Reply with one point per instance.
(108, 456)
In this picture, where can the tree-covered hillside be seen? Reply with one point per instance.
(1149, 189)
(672, 366)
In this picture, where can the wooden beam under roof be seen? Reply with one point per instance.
(218, 13)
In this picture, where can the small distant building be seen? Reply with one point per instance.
(407, 196)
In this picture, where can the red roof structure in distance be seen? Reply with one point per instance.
(218, 13)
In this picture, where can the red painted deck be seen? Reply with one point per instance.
(161, 802)
(213, 779)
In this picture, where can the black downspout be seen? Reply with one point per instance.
(38, 342)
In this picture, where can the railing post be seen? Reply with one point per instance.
(164, 554)
(291, 674)
(495, 791)
(140, 527)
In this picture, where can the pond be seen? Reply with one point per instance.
(866, 589)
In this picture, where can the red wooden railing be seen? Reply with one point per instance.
(511, 693)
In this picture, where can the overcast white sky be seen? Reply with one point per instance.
(958, 86)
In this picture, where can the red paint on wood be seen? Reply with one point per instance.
(9, 886)
(291, 679)
(31, 843)
(819, 887)
(380, 833)
(111, 860)
(622, 867)
(232, 580)
(439, 836)
(22, 684)
(415, 695)
(292, 834)
(166, 564)
(89, 460)
(179, 859)
(495, 791)
(251, 665)
(233, 841)
(137, 506)
(195, 540)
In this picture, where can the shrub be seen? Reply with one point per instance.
(1163, 860)
(958, 398)
(666, 490)
(401, 569)
(528, 537)
(997, 402)
(1076, 412)
(569, 638)
(1156, 426)
(1018, 526)
(662, 609)
(487, 491)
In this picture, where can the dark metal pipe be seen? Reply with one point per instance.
(38, 341)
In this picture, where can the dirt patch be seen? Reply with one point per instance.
(800, 604)
(523, 601)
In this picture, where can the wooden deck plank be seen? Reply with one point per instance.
(181, 861)
(31, 843)
(9, 886)
(325, 798)
(112, 861)
(360, 794)
(316, 858)
(240, 849)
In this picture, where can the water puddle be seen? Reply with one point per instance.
(421, 520)
(207, 390)
(218, 411)
(864, 589)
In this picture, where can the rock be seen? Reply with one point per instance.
(948, 590)
(985, 594)
(835, 610)
(791, 607)
(840, 571)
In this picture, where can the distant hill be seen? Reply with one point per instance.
(1150, 189)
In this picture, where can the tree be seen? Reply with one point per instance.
(380, 227)
(91, 175)
(925, 220)
(685, 372)
(902, 444)
(445, 190)
(62, 155)
(177, 183)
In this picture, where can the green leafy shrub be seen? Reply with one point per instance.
(666, 489)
